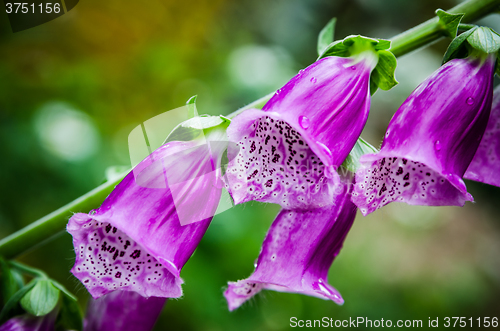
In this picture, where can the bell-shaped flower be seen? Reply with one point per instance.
(289, 151)
(135, 241)
(431, 139)
(297, 252)
(123, 311)
(485, 166)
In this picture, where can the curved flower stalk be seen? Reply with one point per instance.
(297, 252)
(290, 150)
(135, 240)
(485, 166)
(123, 311)
(431, 139)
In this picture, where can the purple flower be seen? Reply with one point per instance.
(430, 140)
(135, 240)
(29, 322)
(290, 150)
(123, 311)
(485, 166)
(297, 252)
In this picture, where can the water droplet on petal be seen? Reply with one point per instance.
(326, 150)
(301, 71)
(437, 145)
(313, 80)
(470, 101)
(353, 68)
(278, 91)
(304, 122)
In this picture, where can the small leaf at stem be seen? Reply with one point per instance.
(191, 103)
(497, 71)
(10, 281)
(383, 74)
(361, 147)
(70, 315)
(457, 47)
(115, 172)
(12, 303)
(41, 299)
(484, 39)
(449, 22)
(326, 35)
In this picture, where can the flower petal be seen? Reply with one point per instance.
(485, 166)
(123, 311)
(275, 164)
(298, 250)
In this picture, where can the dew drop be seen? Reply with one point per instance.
(470, 101)
(353, 68)
(304, 122)
(437, 145)
(326, 150)
(313, 80)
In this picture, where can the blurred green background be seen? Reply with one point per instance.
(72, 89)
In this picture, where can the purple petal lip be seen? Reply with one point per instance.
(485, 166)
(297, 252)
(298, 129)
(123, 311)
(430, 140)
(135, 240)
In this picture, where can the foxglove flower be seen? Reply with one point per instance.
(135, 241)
(485, 166)
(431, 140)
(123, 311)
(297, 252)
(290, 150)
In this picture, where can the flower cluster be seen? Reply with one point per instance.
(289, 153)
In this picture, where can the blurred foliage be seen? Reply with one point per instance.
(107, 66)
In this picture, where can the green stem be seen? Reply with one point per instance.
(27, 270)
(54, 224)
(431, 31)
(256, 104)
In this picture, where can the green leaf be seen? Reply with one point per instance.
(70, 315)
(10, 281)
(41, 299)
(457, 47)
(115, 172)
(373, 87)
(12, 303)
(63, 289)
(361, 147)
(325, 36)
(383, 74)
(484, 39)
(498, 65)
(354, 44)
(449, 22)
(191, 103)
(193, 127)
